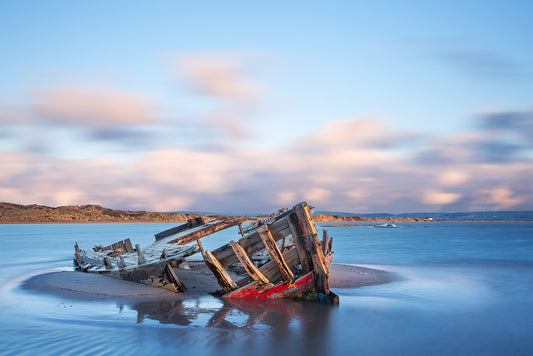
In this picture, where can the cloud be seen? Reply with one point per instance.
(518, 124)
(440, 198)
(99, 108)
(230, 82)
(353, 172)
(497, 198)
(366, 133)
(478, 63)
(220, 75)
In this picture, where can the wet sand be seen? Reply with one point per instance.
(199, 280)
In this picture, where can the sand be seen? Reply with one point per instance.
(87, 286)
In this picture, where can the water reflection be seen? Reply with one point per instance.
(233, 313)
(225, 326)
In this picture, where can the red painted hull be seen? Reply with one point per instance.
(300, 288)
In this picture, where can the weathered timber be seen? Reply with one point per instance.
(140, 255)
(299, 241)
(330, 245)
(107, 263)
(270, 270)
(173, 278)
(251, 243)
(121, 263)
(224, 280)
(313, 245)
(275, 253)
(128, 246)
(201, 248)
(191, 223)
(248, 265)
(208, 230)
(241, 230)
(325, 242)
(77, 258)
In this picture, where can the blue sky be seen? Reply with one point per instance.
(236, 106)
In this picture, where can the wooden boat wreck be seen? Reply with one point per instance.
(278, 257)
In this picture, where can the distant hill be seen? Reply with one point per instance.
(15, 213)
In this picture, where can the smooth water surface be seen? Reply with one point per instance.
(465, 289)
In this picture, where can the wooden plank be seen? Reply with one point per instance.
(77, 258)
(191, 223)
(107, 263)
(224, 280)
(275, 253)
(128, 246)
(270, 270)
(299, 242)
(308, 228)
(121, 263)
(208, 230)
(171, 275)
(248, 265)
(115, 246)
(251, 243)
(201, 248)
(325, 242)
(122, 246)
(140, 255)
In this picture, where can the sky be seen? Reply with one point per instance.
(244, 106)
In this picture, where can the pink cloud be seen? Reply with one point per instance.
(220, 75)
(343, 175)
(92, 107)
(497, 198)
(440, 198)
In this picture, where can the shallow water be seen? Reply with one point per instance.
(466, 289)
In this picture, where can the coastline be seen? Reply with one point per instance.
(95, 214)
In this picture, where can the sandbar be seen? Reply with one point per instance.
(76, 285)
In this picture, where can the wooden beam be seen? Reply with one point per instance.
(275, 253)
(325, 242)
(224, 280)
(308, 228)
(173, 278)
(251, 243)
(107, 263)
(241, 230)
(201, 248)
(191, 223)
(247, 264)
(140, 255)
(299, 241)
(121, 263)
(270, 270)
(128, 246)
(208, 230)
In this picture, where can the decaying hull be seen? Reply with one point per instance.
(278, 257)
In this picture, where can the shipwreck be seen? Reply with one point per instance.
(280, 256)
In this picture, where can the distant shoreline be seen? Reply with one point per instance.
(87, 214)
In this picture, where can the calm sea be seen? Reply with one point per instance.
(466, 289)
